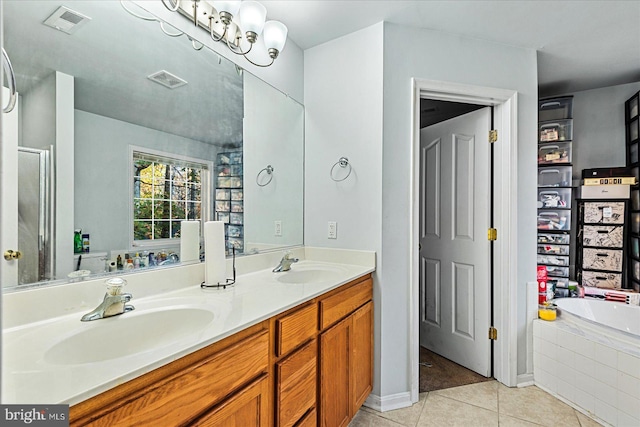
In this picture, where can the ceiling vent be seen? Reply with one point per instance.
(66, 20)
(167, 79)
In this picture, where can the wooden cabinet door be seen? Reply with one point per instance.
(361, 363)
(296, 385)
(335, 402)
(247, 408)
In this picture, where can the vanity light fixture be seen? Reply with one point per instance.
(235, 23)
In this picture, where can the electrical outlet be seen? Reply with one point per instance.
(277, 228)
(332, 230)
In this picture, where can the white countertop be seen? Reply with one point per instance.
(30, 376)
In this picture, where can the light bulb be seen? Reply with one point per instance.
(252, 15)
(275, 35)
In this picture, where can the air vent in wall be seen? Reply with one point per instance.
(66, 20)
(167, 79)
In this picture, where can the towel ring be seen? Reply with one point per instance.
(269, 171)
(343, 162)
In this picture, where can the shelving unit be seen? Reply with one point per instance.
(229, 203)
(601, 243)
(555, 139)
(632, 131)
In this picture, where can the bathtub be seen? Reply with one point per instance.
(590, 358)
(620, 317)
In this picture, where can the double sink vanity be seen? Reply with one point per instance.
(283, 349)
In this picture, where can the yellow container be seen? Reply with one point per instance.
(547, 312)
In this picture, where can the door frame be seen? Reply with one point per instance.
(505, 103)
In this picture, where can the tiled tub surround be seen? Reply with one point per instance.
(594, 369)
(32, 323)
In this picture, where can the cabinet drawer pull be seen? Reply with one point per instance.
(603, 232)
(602, 255)
(601, 278)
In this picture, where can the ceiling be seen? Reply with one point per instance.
(581, 44)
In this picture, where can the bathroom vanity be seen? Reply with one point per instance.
(282, 349)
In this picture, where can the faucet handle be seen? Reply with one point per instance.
(115, 285)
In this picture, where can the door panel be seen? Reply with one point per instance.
(455, 254)
(9, 193)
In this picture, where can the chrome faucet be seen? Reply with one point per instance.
(285, 263)
(173, 258)
(113, 303)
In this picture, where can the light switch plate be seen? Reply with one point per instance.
(277, 228)
(332, 230)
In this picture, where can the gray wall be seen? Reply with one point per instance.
(102, 188)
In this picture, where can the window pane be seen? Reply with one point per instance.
(162, 189)
(142, 230)
(194, 192)
(195, 175)
(161, 229)
(178, 173)
(161, 210)
(194, 210)
(178, 210)
(142, 209)
(178, 191)
(175, 229)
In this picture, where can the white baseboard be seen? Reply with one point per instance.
(524, 380)
(388, 403)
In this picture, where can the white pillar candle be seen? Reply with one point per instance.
(190, 241)
(214, 255)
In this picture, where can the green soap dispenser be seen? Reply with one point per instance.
(77, 242)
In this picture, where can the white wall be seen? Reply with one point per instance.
(102, 205)
(343, 104)
(598, 127)
(285, 74)
(342, 99)
(447, 57)
(273, 135)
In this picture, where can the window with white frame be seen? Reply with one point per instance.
(167, 189)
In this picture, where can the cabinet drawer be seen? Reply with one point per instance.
(600, 279)
(556, 271)
(556, 130)
(295, 328)
(181, 398)
(554, 198)
(296, 385)
(555, 109)
(555, 176)
(602, 259)
(554, 219)
(562, 261)
(336, 306)
(604, 213)
(607, 236)
(558, 239)
(555, 153)
(553, 250)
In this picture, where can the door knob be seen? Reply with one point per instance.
(11, 255)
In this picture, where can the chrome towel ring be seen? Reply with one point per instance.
(11, 79)
(269, 171)
(343, 162)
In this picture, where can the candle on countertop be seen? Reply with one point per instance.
(214, 254)
(190, 241)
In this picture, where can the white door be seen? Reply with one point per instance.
(455, 253)
(9, 193)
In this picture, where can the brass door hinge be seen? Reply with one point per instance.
(492, 234)
(493, 333)
(493, 136)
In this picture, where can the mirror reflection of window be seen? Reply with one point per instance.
(166, 190)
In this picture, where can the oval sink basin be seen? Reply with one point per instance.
(308, 275)
(127, 334)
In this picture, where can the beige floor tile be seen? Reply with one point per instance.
(406, 416)
(507, 421)
(586, 421)
(484, 395)
(534, 405)
(441, 411)
(367, 419)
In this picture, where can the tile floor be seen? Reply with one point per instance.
(477, 405)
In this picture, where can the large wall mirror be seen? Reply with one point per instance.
(125, 131)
